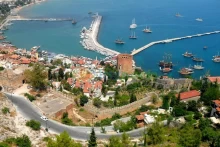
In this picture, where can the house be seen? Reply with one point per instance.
(215, 108)
(214, 79)
(148, 119)
(189, 95)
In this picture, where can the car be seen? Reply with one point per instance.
(44, 118)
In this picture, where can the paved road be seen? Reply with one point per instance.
(29, 111)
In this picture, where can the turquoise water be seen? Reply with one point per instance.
(63, 37)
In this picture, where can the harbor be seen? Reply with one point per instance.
(89, 38)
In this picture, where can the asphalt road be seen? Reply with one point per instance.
(29, 111)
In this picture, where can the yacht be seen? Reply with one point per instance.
(133, 24)
(147, 30)
(216, 56)
(198, 66)
(133, 36)
(178, 15)
(197, 59)
(185, 71)
(216, 59)
(187, 54)
(119, 41)
(199, 19)
(74, 21)
(166, 69)
(35, 48)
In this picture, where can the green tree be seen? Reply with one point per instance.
(156, 133)
(192, 106)
(97, 102)
(125, 140)
(62, 140)
(37, 77)
(92, 140)
(133, 98)
(23, 141)
(104, 90)
(3, 144)
(66, 120)
(190, 137)
(35, 125)
(49, 74)
(83, 100)
(115, 142)
(166, 101)
(60, 74)
(5, 110)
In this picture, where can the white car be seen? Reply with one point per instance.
(44, 118)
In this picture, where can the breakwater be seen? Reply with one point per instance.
(89, 39)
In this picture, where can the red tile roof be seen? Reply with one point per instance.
(218, 109)
(217, 102)
(70, 81)
(213, 79)
(139, 117)
(188, 94)
(87, 87)
(81, 62)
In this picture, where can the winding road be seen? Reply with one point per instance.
(29, 111)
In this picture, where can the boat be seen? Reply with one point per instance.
(199, 19)
(216, 59)
(147, 30)
(166, 62)
(90, 12)
(35, 48)
(178, 15)
(198, 67)
(187, 54)
(6, 42)
(119, 41)
(133, 36)
(133, 24)
(197, 59)
(2, 37)
(216, 56)
(205, 47)
(185, 71)
(166, 69)
(74, 21)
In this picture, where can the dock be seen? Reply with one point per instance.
(40, 19)
(136, 51)
(90, 42)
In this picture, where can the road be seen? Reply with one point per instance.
(29, 111)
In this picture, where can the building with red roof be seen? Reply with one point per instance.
(215, 108)
(214, 79)
(189, 95)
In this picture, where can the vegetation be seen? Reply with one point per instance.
(62, 140)
(97, 102)
(83, 100)
(35, 125)
(1, 68)
(112, 74)
(36, 77)
(123, 141)
(156, 133)
(23, 141)
(5, 110)
(124, 127)
(92, 140)
(4, 9)
(30, 97)
(66, 120)
(107, 121)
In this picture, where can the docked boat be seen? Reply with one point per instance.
(166, 69)
(200, 67)
(133, 24)
(74, 21)
(6, 42)
(133, 36)
(216, 56)
(178, 15)
(199, 19)
(147, 30)
(197, 59)
(187, 54)
(2, 37)
(216, 59)
(35, 48)
(119, 41)
(185, 71)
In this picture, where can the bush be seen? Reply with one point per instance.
(23, 141)
(30, 97)
(66, 120)
(35, 125)
(1, 68)
(97, 102)
(83, 100)
(5, 110)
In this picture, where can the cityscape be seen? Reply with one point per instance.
(104, 92)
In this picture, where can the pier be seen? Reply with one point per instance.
(136, 51)
(40, 19)
(90, 42)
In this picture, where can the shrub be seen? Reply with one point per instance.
(5, 110)
(1, 68)
(35, 125)
(83, 100)
(97, 102)
(30, 97)
(81, 109)
(66, 120)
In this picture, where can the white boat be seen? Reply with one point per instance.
(199, 19)
(198, 66)
(147, 30)
(133, 24)
(178, 15)
(216, 60)
(133, 35)
(35, 48)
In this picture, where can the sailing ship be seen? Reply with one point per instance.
(133, 24)
(74, 21)
(197, 59)
(216, 56)
(188, 54)
(147, 30)
(133, 35)
(198, 67)
(119, 41)
(166, 62)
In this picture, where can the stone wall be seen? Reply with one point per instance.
(108, 113)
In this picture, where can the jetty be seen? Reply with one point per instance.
(40, 19)
(90, 42)
(136, 51)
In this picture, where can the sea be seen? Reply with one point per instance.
(159, 15)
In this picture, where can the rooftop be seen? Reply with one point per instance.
(189, 94)
(213, 79)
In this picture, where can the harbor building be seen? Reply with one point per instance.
(125, 64)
